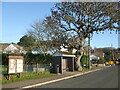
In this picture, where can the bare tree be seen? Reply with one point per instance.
(81, 19)
(47, 39)
(37, 31)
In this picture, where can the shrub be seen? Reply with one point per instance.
(84, 60)
(5, 57)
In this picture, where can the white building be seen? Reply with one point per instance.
(11, 48)
(93, 57)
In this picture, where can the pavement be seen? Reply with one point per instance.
(66, 75)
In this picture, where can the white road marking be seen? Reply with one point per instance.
(39, 84)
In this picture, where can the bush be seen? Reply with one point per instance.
(5, 57)
(29, 58)
(84, 60)
(38, 58)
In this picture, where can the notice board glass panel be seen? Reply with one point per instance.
(19, 65)
(12, 66)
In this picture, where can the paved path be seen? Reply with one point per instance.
(105, 78)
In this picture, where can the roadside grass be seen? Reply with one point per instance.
(24, 75)
(27, 76)
(86, 69)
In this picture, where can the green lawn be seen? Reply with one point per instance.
(27, 75)
(24, 75)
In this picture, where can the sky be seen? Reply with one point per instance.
(17, 17)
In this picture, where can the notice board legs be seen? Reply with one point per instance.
(8, 76)
(19, 75)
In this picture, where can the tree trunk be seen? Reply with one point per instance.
(78, 64)
(79, 55)
(36, 67)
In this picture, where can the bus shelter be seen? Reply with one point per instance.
(63, 62)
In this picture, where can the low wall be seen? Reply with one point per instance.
(101, 65)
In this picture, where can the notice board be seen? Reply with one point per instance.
(15, 64)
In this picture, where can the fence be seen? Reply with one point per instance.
(37, 68)
(29, 68)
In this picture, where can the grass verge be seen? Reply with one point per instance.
(28, 76)
(86, 69)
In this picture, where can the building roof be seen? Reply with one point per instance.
(5, 45)
(63, 53)
(66, 53)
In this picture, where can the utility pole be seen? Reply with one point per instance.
(89, 51)
(112, 52)
(104, 58)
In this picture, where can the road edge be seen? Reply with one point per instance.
(52, 81)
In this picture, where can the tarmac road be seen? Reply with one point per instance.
(105, 78)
